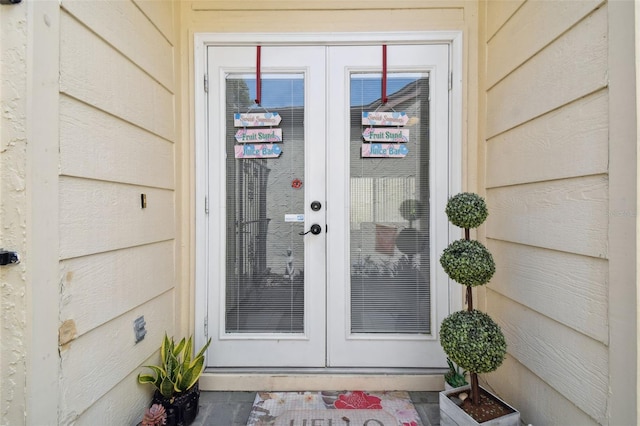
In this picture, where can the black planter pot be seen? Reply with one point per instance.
(182, 409)
(410, 241)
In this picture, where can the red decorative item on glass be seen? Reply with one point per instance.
(296, 184)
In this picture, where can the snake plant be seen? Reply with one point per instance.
(178, 372)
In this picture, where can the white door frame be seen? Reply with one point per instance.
(202, 40)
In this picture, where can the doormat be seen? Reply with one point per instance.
(353, 408)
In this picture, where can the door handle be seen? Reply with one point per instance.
(315, 230)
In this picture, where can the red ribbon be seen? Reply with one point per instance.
(258, 79)
(384, 74)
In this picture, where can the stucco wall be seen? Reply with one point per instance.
(13, 86)
(554, 210)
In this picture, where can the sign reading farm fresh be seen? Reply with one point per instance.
(385, 134)
(257, 151)
(256, 119)
(384, 150)
(259, 135)
(387, 118)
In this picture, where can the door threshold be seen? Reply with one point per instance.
(322, 379)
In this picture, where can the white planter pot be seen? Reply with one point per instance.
(452, 415)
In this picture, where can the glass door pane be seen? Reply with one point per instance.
(389, 210)
(265, 253)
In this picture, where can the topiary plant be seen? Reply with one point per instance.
(467, 210)
(473, 341)
(468, 263)
(470, 338)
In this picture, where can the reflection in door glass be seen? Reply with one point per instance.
(265, 254)
(389, 236)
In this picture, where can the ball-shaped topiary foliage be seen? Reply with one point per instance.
(473, 340)
(411, 209)
(468, 262)
(466, 210)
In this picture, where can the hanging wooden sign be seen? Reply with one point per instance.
(257, 151)
(256, 119)
(259, 135)
(384, 150)
(387, 118)
(385, 134)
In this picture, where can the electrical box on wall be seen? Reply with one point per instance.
(139, 328)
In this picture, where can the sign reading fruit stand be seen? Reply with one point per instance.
(383, 141)
(385, 134)
(260, 138)
(259, 135)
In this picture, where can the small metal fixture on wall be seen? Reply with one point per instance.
(139, 328)
(9, 257)
(10, 1)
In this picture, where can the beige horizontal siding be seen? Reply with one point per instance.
(99, 216)
(498, 13)
(566, 215)
(547, 188)
(108, 410)
(117, 134)
(565, 287)
(135, 36)
(97, 361)
(538, 403)
(535, 25)
(161, 13)
(103, 286)
(94, 72)
(97, 145)
(571, 67)
(571, 141)
(572, 363)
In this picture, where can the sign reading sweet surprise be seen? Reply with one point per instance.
(387, 118)
(256, 119)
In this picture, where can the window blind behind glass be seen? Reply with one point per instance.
(389, 212)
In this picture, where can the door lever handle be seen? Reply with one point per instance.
(315, 230)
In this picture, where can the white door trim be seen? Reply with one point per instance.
(202, 40)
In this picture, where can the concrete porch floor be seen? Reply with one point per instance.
(233, 408)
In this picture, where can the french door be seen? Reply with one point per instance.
(325, 206)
